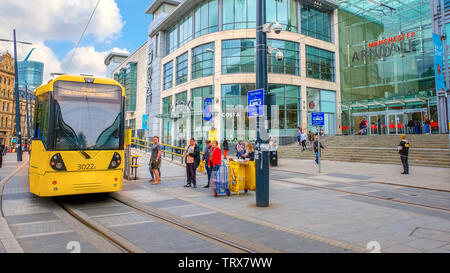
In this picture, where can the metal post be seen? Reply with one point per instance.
(262, 158)
(318, 150)
(16, 94)
(27, 114)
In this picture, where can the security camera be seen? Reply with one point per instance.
(279, 56)
(277, 27)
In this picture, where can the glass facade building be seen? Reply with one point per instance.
(387, 66)
(128, 78)
(30, 73)
(209, 51)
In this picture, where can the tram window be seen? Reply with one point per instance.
(41, 121)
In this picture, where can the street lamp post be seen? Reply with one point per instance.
(262, 157)
(27, 114)
(16, 94)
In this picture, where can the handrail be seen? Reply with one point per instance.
(145, 144)
(165, 145)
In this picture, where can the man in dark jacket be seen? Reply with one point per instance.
(192, 162)
(403, 150)
(316, 149)
(206, 158)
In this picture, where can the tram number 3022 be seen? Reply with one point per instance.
(86, 167)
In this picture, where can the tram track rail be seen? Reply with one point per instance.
(113, 238)
(227, 241)
(237, 243)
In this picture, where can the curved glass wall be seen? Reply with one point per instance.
(237, 125)
(315, 23)
(238, 56)
(320, 64)
(182, 69)
(199, 127)
(202, 61)
(207, 18)
(181, 120)
(166, 136)
(283, 12)
(322, 101)
(239, 14)
(168, 75)
(291, 61)
(186, 29)
(172, 39)
(286, 109)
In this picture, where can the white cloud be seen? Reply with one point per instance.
(88, 61)
(60, 19)
(38, 21)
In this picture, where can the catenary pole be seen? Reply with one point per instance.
(16, 94)
(262, 157)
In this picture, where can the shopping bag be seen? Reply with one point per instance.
(201, 166)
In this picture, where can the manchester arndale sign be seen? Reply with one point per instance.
(398, 44)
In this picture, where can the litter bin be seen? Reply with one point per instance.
(274, 158)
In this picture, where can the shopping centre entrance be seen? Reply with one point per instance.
(390, 122)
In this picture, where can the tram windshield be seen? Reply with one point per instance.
(87, 116)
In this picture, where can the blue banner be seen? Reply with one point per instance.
(207, 110)
(144, 122)
(438, 63)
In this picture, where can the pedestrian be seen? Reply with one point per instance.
(427, 124)
(317, 148)
(2, 151)
(403, 150)
(215, 157)
(410, 126)
(192, 162)
(310, 139)
(206, 159)
(249, 152)
(303, 139)
(155, 161)
(239, 149)
(299, 136)
(225, 149)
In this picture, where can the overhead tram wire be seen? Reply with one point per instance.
(82, 36)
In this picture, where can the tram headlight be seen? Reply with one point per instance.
(115, 161)
(57, 163)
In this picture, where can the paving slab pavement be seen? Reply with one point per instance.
(426, 177)
(346, 218)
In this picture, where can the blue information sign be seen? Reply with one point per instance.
(318, 119)
(256, 103)
(207, 111)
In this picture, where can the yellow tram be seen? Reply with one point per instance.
(78, 142)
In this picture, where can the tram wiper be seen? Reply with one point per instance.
(86, 155)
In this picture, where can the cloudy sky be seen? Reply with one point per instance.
(55, 26)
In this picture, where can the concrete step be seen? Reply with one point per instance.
(426, 150)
